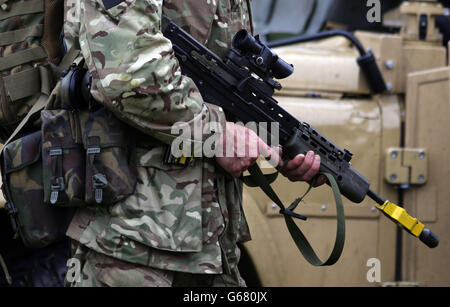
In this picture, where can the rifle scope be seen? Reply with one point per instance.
(263, 57)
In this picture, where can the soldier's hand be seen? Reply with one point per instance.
(241, 147)
(303, 168)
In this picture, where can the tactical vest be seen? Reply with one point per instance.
(30, 48)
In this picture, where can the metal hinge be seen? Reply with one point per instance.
(406, 166)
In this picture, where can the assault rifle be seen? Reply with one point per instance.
(243, 85)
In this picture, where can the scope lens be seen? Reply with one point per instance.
(281, 69)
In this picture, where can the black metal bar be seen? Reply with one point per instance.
(378, 199)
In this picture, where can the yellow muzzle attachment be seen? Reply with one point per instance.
(402, 218)
(409, 223)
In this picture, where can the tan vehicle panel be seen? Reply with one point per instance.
(355, 124)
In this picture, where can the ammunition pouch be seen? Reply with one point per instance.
(111, 167)
(88, 158)
(79, 158)
(37, 223)
(63, 159)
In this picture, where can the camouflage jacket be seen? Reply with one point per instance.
(180, 219)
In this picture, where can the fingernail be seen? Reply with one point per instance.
(300, 158)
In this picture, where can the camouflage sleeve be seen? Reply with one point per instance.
(135, 72)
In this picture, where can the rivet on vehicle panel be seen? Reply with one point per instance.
(393, 177)
(394, 154)
(421, 155)
(421, 177)
(373, 209)
(274, 206)
(389, 64)
(389, 86)
(323, 208)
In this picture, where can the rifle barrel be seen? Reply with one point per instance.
(377, 198)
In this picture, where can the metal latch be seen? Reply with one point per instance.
(405, 166)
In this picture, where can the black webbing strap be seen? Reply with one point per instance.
(57, 179)
(99, 180)
(248, 180)
(300, 240)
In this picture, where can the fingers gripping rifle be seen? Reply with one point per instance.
(231, 84)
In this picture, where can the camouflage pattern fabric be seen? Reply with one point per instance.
(12, 112)
(181, 219)
(111, 158)
(134, 71)
(63, 159)
(99, 270)
(38, 224)
(82, 148)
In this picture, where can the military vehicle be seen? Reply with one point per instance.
(399, 138)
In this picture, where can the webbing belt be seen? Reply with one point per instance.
(29, 82)
(260, 180)
(20, 35)
(25, 7)
(22, 57)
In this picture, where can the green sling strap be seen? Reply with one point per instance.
(300, 240)
(38, 106)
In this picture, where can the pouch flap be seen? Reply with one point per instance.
(57, 128)
(104, 130)
(22, 152)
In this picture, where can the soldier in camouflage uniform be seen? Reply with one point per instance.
(182, 225)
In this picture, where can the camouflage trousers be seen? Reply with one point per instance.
(99, 270)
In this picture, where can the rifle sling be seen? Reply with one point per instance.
(300, 240)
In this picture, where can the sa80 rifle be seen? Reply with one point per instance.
(243, 84)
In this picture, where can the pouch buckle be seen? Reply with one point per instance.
(99, 182)
(57, 182)
(57, 186)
